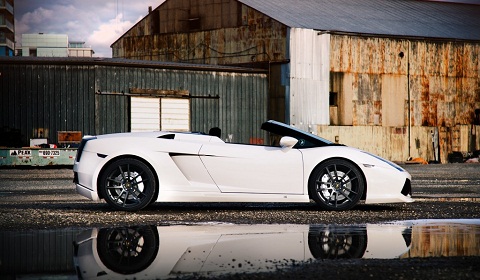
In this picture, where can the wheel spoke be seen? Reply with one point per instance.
(329, 174)
(118, 198)
(115, 187)
(335, 172)
(345, 195)
(349, 190)
(114, 180)
(135, 197)
(135, 183)
(345, 175)
(121, 172)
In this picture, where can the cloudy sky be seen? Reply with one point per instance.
(96, 22)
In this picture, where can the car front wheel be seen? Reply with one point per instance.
(127, 184)
(336, 184)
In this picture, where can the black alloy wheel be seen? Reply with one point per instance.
(336, 184)
(128, 184)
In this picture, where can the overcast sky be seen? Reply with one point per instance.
(96, 22)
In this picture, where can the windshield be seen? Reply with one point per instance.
(305, 139)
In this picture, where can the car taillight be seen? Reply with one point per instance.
(85, 139)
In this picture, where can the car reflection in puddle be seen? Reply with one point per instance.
(219, 249)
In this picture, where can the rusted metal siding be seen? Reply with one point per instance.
(440, 78)
(444, 82)
(227, 33)
(366, 73)
(39, 100)
(418, 84)
(392, 142)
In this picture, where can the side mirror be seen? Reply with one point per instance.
(287, 142)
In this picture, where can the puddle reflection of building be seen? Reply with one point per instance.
(444, 240)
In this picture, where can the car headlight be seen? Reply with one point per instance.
(396, 166)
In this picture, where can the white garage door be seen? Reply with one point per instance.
(175, 114)
(145, 114)
(153, 114)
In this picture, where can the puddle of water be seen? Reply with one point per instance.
(145, 252)
(448, 199)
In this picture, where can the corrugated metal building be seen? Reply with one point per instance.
(40, 97)
(378, 75)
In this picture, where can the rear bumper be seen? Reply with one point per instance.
(86, 192)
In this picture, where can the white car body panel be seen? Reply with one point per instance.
(255, 169)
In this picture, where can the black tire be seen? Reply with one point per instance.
(127, 184)
(128, 250)
(336, 184)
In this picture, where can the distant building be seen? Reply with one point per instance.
(7, 28)
(78, 49)
(52, 45)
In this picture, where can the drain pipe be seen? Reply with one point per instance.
(401, 55)
(409, 101)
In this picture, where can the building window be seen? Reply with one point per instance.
(333, 98)
(193, 24)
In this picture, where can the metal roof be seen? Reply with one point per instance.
(122, 62)
(406, 18)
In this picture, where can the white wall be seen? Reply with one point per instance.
(309, 78)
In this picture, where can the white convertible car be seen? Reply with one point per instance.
(132, 170)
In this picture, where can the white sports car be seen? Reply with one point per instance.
(132, 170)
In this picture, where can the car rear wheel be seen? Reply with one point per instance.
(127, 184)
(336, 184)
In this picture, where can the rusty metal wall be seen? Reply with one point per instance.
(440, 78)
(419, 85)
(227, 33)
(38, 100)
(444, 82)
(359, 66)
(392, 142)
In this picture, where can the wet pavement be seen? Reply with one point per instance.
(219, 249)
(49, 231)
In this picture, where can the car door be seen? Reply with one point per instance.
(254, 169)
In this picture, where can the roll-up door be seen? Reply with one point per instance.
(175, 114)
(145, 114)
(153, 114)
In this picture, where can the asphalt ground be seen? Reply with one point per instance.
(45, 198)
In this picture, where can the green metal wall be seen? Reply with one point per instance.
(39, 97)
